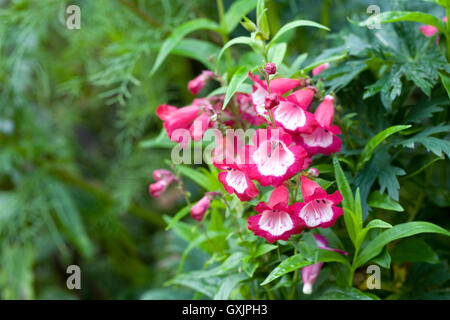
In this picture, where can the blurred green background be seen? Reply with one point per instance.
(74, 107)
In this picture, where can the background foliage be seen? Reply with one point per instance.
(79, 141)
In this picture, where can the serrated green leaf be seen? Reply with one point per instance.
(383, 201)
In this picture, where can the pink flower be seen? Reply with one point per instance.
(247, 110)
(271, 101)
(310, 273)
(199, 209)
(320, 69)
(429, 31)
(162, 180)
(303, 97)
(294, 118)
(318, 209)
(271, 159)
(323, 139)
(279, 86)
(275, 221)
(196, 85)
(234, 180)
(194, 118)
(271, 68)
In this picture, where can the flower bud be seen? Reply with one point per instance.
(271, 68)
(157, 188)
(196, 85)
(271, 101)
(162, 174)
(320, 68)
(313, 172)
(199, 209)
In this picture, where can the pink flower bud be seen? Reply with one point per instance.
(196, 85)
(163, 174)
(199, 209)
(271, 68)
(157, 188)
(271, 101)
(313, 172)
(320, 68)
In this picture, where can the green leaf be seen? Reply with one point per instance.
(295, 24)
(375, 141)
(178, 216)
(446, 82)
(263, 249)
(322, 61)
(195, 176)
(432, 144)
(238, 78)
(347, 195)
(190, 48)
(290, 264)
(261, 19)
(243, 88)
(399, 231)
(383, 201)
(413, 250)
(276, 53)
(298, 261)
(357, 209)
(178, 34)
(295, 66)
(443, 3)
(239, 40)
(341, 293)
(160, 141)
(383, 259)
(237, 10)
(393, 16)
(228, 284)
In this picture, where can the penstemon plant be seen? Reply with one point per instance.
(276, 197)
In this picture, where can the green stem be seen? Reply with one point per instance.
(353, 268)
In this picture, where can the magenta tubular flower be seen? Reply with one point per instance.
(162, 180)
(272, 159)
(279, 86)
(310, 273)
(429, 31)
(196, 85)
(199, 209)
(323, 139)
(247, 110)
(271, 68)
(194, 119)
(302, 97)
(318, 70)
(271, 101)
(293, 118)
(233, 179)
(318, 209)
(275, 221)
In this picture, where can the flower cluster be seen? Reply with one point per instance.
(289, 133)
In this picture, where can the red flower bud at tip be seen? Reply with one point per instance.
(199, 209)
(271, 101)
(271, 68)
(157, 188)
(313, 172)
